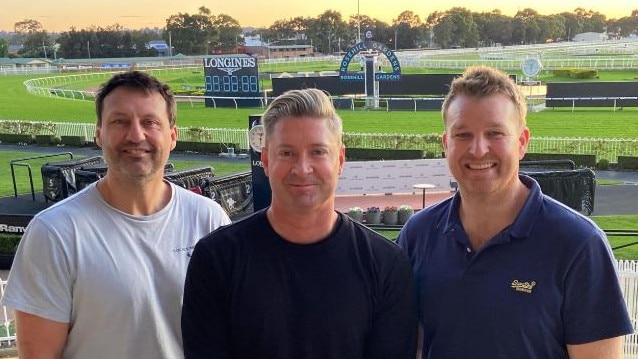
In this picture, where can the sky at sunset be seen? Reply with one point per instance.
(61, 15)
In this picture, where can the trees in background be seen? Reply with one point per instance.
(108, 42)
(34, 41)
(205, 33)
(4, 47)
(191, 34)
(328, 32)
(408, 30)
(229, 34)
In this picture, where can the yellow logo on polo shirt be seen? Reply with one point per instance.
(525, 287)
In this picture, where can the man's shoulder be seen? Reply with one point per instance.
(246, 227)
(78, 204)
(428, 217)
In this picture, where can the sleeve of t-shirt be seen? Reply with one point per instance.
(205, 309)
(394, 331)
(594, 306)
(40, 281)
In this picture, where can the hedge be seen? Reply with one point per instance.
(382, 154)
(628, 163)
(16, 138)
(205, 147)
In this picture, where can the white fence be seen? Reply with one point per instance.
(607, 148)
(7, 334)
(628, 274)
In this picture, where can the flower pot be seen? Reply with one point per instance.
(357, 216)
(373, 217)
(390, 217)
(405, 215)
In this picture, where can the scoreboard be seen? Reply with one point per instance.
(232, 80)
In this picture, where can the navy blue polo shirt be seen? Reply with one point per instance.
(545, 281)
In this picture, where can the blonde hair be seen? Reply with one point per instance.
(310, 103)
(483, 81)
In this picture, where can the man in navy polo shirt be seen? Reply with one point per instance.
(503, 271)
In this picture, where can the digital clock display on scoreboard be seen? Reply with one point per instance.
(231, 80)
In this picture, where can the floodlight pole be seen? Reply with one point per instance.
(170, 45)
(358, 24)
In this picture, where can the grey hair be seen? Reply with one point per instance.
(310, 103)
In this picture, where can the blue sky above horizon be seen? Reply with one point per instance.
(62, 15)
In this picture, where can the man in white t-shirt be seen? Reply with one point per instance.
(100, 274)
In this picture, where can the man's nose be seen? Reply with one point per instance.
(479, 146)
(302, 164)
(135, 132)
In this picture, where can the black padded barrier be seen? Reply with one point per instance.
(574, 188)
(58, 178)
(89, 174)
(190, 178)
(233, 192)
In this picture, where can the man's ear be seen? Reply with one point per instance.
(98, 132)
(264, 159)
(173, 137)
(523, 141)
(342, 158)
(444, 141)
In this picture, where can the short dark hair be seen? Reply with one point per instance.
(140, 81)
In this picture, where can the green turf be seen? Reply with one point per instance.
(16, 103)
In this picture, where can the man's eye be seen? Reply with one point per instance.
(462, 135)
(151, 123)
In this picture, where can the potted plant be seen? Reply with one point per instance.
(390, 215)
(405, 212)
(373, 215)
(356, 213)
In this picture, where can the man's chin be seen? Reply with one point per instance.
(139, 172)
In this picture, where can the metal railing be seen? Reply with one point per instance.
(7, 333)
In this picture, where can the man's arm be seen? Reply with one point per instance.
(205, 328)
(394, 332)
(607, 348)
(39, 338)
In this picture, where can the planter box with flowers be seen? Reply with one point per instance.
(390, 215)
(373, 215)
(356, 213)
(405, 212)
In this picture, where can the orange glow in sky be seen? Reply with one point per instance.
(58, 16)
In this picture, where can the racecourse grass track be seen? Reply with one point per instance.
(17, 103)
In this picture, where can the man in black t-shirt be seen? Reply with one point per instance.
(298, 279)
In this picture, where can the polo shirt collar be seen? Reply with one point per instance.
(524, 221)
